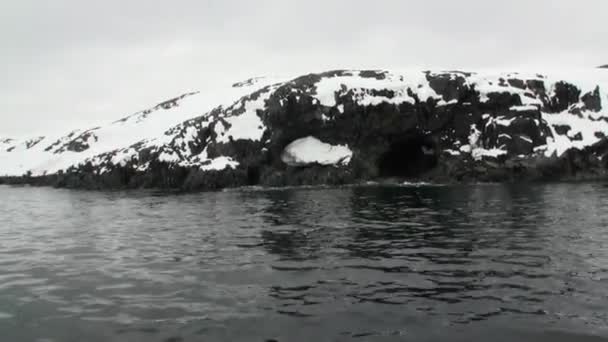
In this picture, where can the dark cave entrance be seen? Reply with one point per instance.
(408, 158)
(253, 175)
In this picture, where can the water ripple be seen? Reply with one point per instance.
(327, 264)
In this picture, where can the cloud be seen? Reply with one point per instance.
(69, 63)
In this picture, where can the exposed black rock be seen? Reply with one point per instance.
(592, 101)
(79, 144)
(247, 82)
(33, 142)
(408, 157)
(566, 95)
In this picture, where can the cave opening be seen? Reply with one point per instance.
(408, 158)
(253, 175)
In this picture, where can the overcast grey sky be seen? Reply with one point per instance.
(69, 63)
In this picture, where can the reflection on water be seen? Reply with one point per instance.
(326, 264)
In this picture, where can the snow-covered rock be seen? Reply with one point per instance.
(121, 138)
(5, 143)
(310, 150)
(362, 123)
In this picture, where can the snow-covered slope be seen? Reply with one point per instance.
(5, 142)
(50, 154)
(476, 115)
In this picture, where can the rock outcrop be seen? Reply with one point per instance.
(340, 127)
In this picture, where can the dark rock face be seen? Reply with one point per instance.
(33, 142)
(247, 82)
(565, 96)
(592, 101)
(604, 66)
(443, 127)
(80, 143)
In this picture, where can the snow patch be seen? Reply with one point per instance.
(311, 150)
(524, 108)
(148, 128)
(480, 153)
(248, 125)
(500, 121)
(583, 126)
(477, 151)
(219, 163)
(364, 89)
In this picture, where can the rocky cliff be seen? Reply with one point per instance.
(343, 126)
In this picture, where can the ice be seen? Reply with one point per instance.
(310, 150)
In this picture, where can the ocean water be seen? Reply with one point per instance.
(368, 263)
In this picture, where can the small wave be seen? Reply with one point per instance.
(420, 184)
(4, 315)
(388, 183)
(399, 183)
(257, 188)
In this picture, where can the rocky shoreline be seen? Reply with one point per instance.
(443, 127)
(572, 166)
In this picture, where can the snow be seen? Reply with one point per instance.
(328, 87)
(220, 163)
(122, 157)
(525, 138)
(480, 153)
(585, 126)
(444, 103)
(477, 151)
(202, 161)
(169, 157)
(500, 121)
(239, 120)
(474, 136)
(6, 143)
(524, 108)
(466, 149)
(149, 126)
(487, 83)
(246, 126)
(310, 150)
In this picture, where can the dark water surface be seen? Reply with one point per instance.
(465, 263)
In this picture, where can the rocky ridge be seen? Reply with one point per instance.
(336, 127)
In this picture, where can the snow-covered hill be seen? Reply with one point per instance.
(49, 154)
(377, 123)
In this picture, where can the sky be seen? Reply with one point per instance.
(67, 64)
